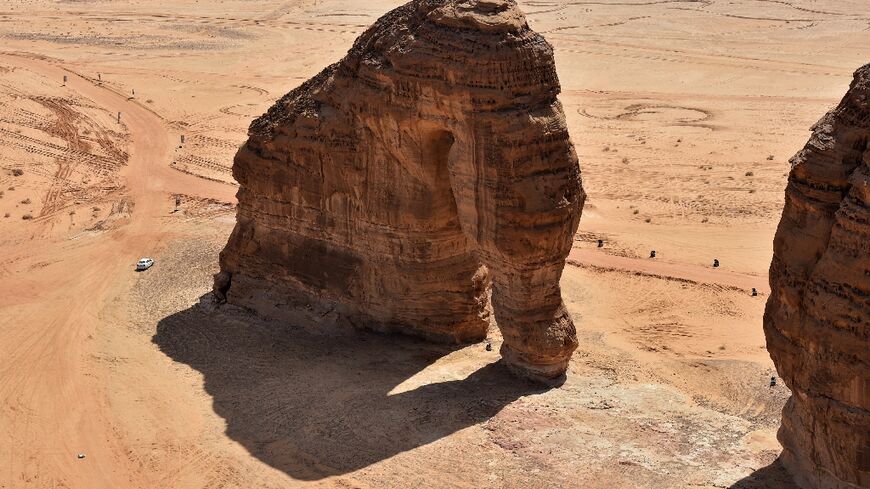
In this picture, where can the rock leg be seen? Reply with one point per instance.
(520, 206)
(539, 336)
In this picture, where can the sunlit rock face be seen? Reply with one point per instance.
(817, 320)
(420, 184)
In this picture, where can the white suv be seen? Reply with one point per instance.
(144, 264)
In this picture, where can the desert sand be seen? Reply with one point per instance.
(683, 113)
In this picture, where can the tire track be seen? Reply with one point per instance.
(682, 272)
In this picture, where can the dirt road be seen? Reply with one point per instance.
(53, 405)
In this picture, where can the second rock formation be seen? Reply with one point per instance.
(817, 320)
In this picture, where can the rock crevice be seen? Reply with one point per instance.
(420, 184)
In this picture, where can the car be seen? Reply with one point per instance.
(144, 264)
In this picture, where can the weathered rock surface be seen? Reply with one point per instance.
(421, 182)
(817, 320)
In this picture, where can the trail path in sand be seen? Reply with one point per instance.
(668, 270)
(53, 407)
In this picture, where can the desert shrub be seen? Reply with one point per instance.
(27, 217)
(26, 201)
(749, 174)
(17, 172)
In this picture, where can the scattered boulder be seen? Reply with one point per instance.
(405, 185)
(817, 320)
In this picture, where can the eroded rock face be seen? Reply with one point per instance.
(817, 320)
(416, 185)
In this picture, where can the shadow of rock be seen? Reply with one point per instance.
(774, 476)
(316, 406)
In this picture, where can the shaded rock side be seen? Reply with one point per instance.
(421, 182)
(817, 320)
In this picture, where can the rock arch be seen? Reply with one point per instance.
(442, 133)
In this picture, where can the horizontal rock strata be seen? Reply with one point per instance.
(421, 182)
(817, 320)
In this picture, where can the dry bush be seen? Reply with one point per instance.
(17, 172)
(27, 217)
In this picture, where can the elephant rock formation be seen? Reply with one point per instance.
(421, 182)
(817, 320)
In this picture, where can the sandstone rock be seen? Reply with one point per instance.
(421, 182)
(817, 320)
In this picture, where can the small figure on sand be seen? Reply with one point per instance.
(64, 79)
(754, 292)
(119, 117)
(488, 346)
(773, 381)
(652, 254)
(715, 263)
(601, 243)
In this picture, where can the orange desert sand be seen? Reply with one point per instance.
(684, 114)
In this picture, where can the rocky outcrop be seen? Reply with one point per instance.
(421, 182)
(817, 320)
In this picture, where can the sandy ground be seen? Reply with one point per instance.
(684, 113)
